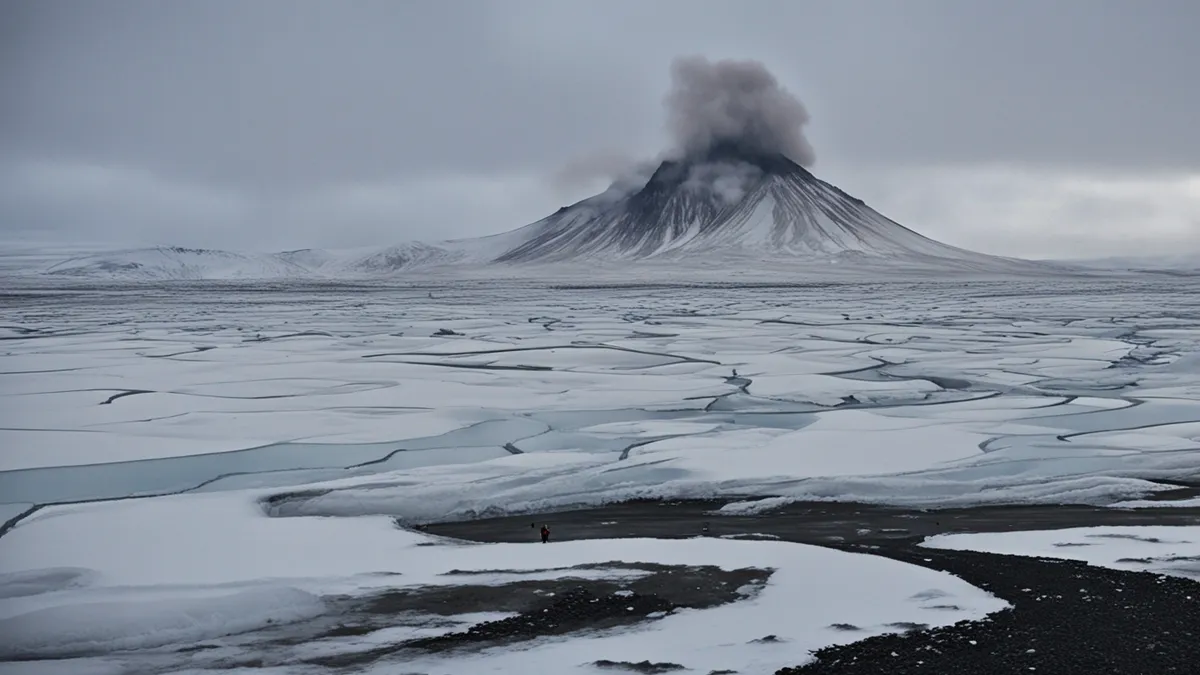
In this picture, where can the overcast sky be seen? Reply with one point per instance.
(1017, 127)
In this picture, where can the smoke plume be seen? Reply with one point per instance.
(585, 171)
(626, 183)
(726, 181)
(735, 102)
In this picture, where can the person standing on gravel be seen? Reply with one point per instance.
(545, 533)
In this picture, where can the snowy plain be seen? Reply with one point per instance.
(336, 408)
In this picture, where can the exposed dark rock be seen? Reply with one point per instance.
(1122, 622)
(574, 610)
(646, 667)
(551, 606)
(1068, 618)
(908, 625)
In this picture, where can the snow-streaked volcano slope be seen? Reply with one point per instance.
(733, 203)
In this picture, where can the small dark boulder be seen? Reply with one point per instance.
(646, 667)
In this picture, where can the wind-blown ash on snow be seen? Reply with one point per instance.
(734, 102)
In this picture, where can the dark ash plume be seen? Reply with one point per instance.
(734, 102)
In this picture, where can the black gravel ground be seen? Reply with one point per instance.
(574, 610)
(548, 606)
(1067, 617)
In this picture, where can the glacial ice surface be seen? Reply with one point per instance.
(368, 399)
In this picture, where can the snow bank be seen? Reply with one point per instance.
(555, 481)
(1158, 503)
(754, 507)
(102, 627)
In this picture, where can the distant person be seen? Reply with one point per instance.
(545, 534)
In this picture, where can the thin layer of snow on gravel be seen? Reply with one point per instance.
(1162, 549)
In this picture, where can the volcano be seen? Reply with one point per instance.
(725, 208)
(728, 201)
(735, 198)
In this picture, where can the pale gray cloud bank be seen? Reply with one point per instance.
(1019, 127)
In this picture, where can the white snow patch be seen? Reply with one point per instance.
(185, 553)
(1164, 549)
(754, 507)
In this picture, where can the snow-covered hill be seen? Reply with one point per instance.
(725, 210)
(173, 262)
(1185, 263)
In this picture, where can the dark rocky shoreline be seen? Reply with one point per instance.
(543, 607)
(1066, 618)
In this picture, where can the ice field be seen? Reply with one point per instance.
(255, 413)
(923, 394)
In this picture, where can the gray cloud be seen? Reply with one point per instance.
(584, 172)
(305, 122)
(737, 102)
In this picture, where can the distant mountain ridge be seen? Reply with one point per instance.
(723, 207)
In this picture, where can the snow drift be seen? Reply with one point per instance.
(102, 627)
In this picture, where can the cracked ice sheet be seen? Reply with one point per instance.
(1004, 339)
(830, 391)
(212, 554)
(845, 443)
(188, 412)
(1163, 549)
(178, 429)
(850, 442)
(845, 455)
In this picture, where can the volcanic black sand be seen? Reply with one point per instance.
(1067, 617)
